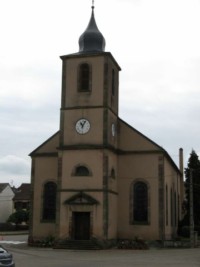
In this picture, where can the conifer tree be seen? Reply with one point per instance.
(193, 168)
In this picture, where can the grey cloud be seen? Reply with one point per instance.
(14, 165)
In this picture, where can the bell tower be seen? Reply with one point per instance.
(89, 106)
(88, 138)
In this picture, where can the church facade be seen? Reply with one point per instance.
(98, 177)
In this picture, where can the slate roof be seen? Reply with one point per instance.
(23, 192)
(92, 39)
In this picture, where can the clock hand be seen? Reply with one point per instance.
(82, 124)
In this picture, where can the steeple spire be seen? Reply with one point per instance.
(92, 39)
(93, 4)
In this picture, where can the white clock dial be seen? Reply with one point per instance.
(82, 126)
(113, 129)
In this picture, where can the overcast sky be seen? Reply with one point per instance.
(156, 43)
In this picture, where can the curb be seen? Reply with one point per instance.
(13, 233)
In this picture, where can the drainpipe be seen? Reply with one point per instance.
(181, 161)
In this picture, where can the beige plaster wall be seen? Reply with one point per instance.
(50, 145)
(134, 168)
(172, 181)
(91, 185)
(73, 97)
(112, 139)
(96, 96)
(45, 170)
(112, 100)
(91, 159)
(67, 210)
(131, 139)
(112, 217)
(95, 134)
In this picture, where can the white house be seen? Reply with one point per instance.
(6, 201)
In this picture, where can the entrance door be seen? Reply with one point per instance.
(81, 223)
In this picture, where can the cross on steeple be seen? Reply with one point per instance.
(92, 4)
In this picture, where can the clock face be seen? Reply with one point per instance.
(82, 126)
(113, 129)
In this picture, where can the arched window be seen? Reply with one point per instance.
(172, 211)
(113, 82)
(140, 203)
(84, 78)
(49, 201)
(167, 209)
(81, 171)
(113, 173)
(175, 209)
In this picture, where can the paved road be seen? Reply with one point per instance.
(30, 257)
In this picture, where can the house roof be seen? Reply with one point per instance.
(23, 192)
(3, 186)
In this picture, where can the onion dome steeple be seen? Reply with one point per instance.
(92, 39)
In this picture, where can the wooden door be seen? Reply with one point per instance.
(81, 223)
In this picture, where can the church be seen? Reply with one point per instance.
(98, 178)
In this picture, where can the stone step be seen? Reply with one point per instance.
(77, 245)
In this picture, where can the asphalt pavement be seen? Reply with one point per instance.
(26, 256)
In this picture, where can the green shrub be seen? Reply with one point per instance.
(18, 217)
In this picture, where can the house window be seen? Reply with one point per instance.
(140, 202)
(84, 78)
(81, 171)
(49, 201)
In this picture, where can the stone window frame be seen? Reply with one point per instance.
(113, 174)
(82, 80)
(85, 172)
(48, 213)
(132, 219)
(113, 85)
(167, 205)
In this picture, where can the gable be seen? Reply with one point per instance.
(132, 140)
(3, 186)
(6, 192)
(81, 199)
(48, 147)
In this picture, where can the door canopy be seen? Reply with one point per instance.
(81, 199)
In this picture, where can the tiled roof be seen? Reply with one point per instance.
(23, 192)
